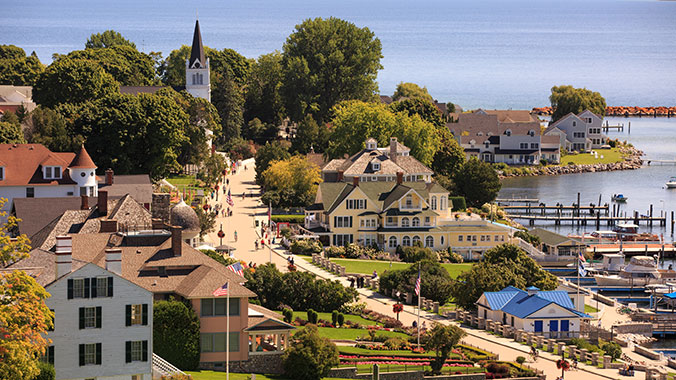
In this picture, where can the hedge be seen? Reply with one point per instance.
(288, 218)
(458, 203)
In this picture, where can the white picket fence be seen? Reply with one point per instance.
(162, 367)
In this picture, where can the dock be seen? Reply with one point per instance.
(660, 162)
(501, 201)
(585, 220)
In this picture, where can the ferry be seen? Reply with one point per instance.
(641, 271)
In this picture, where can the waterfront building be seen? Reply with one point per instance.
(378, 164)
(551, 314)
(582, 132)
(508, 136)
(555, 244)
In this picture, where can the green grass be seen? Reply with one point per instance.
(352, 334)
(609, 156)
(590, 309)
(327, 317)
(349, 350)
(368, 266)
(215, 375)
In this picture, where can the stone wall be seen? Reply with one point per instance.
(351, 373)
(269, 363)
(160, 207)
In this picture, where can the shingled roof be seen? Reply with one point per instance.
(23, 162)
(197, 51)
(82, 160)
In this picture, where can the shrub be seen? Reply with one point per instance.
(450, 256)
(543, 162)
(415, 254)
(396, 344)
(334, 317)
(305, 247)
(458, 203)
(497, 368)
(520, 359)
(334, 251)
(176, 334)
(298, 219)
(288, 314)
(355, 308)
(612, 349)
(285, 232)
(46, 371)
(312, 316)
(340, 320)
(310, 356)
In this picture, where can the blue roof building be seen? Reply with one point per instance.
(549, 313)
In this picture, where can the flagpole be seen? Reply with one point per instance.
(227, 334)
(419, 294)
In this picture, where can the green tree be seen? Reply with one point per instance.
(227, 97)
(212, 169)
(127, 65)
(441, 339)
(327, 61)
(263, 96)
(267, 282)
(411, 91)
(47, 127)
(176, 334)
(423, 108)
(207, 220)
(259, 132)
(239, 149)
(309, 134)
(450, 158)
(613, 349)
(477, 182)
(18, 69)
(172, 70)
(11, 133)
(107, 39)
(296, 175)
(46, 371)
(435, 282)
(567, 99)
(356, 121)
(271, 151)
(73, 81)
(310, 356)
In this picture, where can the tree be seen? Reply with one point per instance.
(356, 121)
(49, 128)
(477, 182)
(212, 169)
(176, 334)
(613, 349)
(295, 174)
(172, 70)
(227, 97)
(567, 99)
(11, 133)
(435, 283)
(107, 39)
(501, 266)
(240, 149)
(327, 61)
(441, 339)
(271, 151)
(309, 134)
(18, 69)
(423, 108)
(127, 65)
(411, 91)
(73, 81)
(450, 158)
(207, 220)
(310, 356)
(263, 96)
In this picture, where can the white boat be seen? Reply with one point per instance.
(671, 183)
(619, 198)
(641, 271)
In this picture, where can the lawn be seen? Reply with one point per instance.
(590, 309)
(609, 156)
(353, 334)
(213, 375)
(327, 317)
(368, 266)
(350, 350)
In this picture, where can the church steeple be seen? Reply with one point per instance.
(197, 59)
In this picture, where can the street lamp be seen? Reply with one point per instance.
(221, 234)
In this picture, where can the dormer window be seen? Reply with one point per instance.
(508, 132)
(52, 172)
(375, 166)
(531, 133)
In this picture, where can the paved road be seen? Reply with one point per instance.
(242, 221)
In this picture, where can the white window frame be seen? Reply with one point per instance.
(405, 222)
(406, 241)
(375, 166)
(136, 350)
(415, 222)
(136, 315)
(429, 238)
(90, 317)
(433, 202)
(90, 353)
(78, 288)
(392, 242)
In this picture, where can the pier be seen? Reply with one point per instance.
(617, 127)
(585, 220)
(661, 162)
(501, 201)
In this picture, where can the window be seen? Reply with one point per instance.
(523, 145)
(90, 317)
(216, 307)
(78, 288)
(2, 173)
(415, 222)
(342, 239)
(531, 133)
(393, 242)
(90, 354)
(52, 172)
(404, 222)
(406, 241)
(391, 221)
(136, 315)
(30, 192)
(368, 240)
(408, 202)
(460, 238)
(574, 123)
(355, 204)
(136, 351)
(534, 145)
(434, 202)
(342, 221)
(104, 287)
(215, 342)
(442, 240)
(367, 223)
(578, 135)
(442, 204)
(429, 242)
(473, 237)
(375, 166)
(416, 239)
(427, 220)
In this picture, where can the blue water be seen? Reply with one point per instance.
(479, 53)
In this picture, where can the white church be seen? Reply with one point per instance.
(197, 78)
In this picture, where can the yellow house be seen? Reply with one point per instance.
(392, 214)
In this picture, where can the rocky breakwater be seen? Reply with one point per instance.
(632, 160)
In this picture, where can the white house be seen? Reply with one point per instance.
(548, 313)
(583, 132)
(103, 323)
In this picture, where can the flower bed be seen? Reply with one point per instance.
(387, 359)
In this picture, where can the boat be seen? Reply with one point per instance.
(619, 198)
(629, 232)
(596, 237)
(641, 271)
(671, 183)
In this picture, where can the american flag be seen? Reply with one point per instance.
(417, 285)
(228, 199)
(222, 291)
(237, 268)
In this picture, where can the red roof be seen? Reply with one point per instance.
(22, 163)
(82, 160)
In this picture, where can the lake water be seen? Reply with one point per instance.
(656, 137)
(479, 53)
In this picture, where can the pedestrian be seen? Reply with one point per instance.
(227, 182)
(235, 235)
(230, 212)
(424, 325)
(352, 282)
(256, 241)
(375, 275)
(414, 324)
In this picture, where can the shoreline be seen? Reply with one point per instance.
(632, 161)
(622, 111)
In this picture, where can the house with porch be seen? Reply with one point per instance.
(555, 244)
(548, 313)
(582, 132)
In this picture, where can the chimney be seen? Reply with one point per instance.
(340, 176)
(109, 177)
(393, 149)
(108, 225)
(64, 255)
(84, 204)
(355, 181)
(102, 202)
(400, 178)
(176, 240)
(532, 290)
(157, 223)
(114, 260)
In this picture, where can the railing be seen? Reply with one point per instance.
(536, 253)
(164, 368)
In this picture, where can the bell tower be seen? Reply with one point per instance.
(197, 79)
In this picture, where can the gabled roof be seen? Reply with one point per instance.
(82, 160)
(197, 51)
(520, 304)
(552, 238)
(262, 319)
(23, 162)
(512, 116)
(567, 116)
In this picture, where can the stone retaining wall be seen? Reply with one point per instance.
(351, 373)
(270, 363)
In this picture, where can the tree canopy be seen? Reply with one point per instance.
(327, 61)
(355, 121)
(223, 61)
(435, 280)
(127, 65)
(411, 91)
(107, 39)
(310, 134)
(501, 266)
(73, 81)
(567, 99)
(18, 69)
(10, 133)
(310, 356)
(263, 91)
(176, 334)
(271, 151)
(49, 128)
(450, 158)
(291, 183)
(423, 108)
(441, 339)
(477, 182)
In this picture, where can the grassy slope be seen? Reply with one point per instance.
(368, 266)
(609, 156)
(352, 334)
(327, 317)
